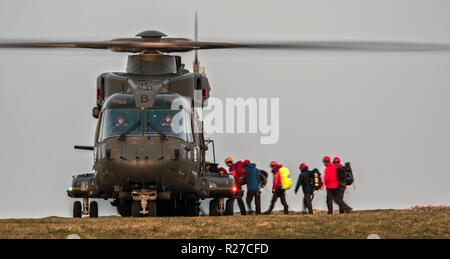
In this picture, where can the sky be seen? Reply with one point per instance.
(386, 113)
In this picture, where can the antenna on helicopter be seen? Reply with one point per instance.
(196, 62)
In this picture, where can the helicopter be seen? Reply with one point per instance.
(149, 147)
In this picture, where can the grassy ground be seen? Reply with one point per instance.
(420, 222)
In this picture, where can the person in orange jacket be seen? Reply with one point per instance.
(331, 184)
(236, 170)
(277, 191)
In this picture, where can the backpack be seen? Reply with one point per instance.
(286, 181)
(315, 179)
(348, 176)
(262, 178)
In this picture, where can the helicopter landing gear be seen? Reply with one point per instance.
(138, 209)
(217, 207)
(229, 207)
(144, 203)
(93, 209)
(87, 209)
(85, 206)
(192, 208)
(124, 208)
(77, 209)
(135, 209)
(164, 209)
(152, 208)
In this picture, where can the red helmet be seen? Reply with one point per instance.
(273, 163)
(302, 166)
(326, 159)
(336, 160)
(246, 162)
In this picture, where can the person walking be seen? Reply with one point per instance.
(331, 184)
(277, 191)
(304, 180)
(342, 186)
(251, 178)
(236, 170)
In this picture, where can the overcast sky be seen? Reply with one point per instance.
(387, 113)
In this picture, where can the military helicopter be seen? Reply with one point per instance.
(149, 148)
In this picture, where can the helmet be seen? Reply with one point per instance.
(273, 163)
(326, 159)
(336, 160)
(246, 162)
(302, 166)
(228, 159)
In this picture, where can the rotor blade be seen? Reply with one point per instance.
(304, 45)
(384, 46)
(29, 44)
(181, 45)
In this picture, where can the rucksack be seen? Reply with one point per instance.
(262, 178)
(348, 176)
(286, 181)
(315, 179)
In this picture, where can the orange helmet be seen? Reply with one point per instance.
(228, 159)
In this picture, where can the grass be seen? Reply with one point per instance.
(418, 222)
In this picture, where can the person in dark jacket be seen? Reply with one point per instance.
(304, 180)
(251, 178)
(342, 186)
(331, 183)
(277, 191)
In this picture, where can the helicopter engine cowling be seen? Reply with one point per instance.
(178, 80)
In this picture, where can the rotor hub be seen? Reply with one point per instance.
(151, 35)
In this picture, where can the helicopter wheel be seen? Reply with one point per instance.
(214, 207)
(93, 209)
(77, 209)
(192, 209)
(136, 209)
(124, 209)
(229, 210)
(164, 209)
(151, 209)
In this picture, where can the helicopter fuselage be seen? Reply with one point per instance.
(149, 145)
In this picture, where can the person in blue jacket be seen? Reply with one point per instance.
(251, 177)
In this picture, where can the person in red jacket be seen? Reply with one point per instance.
(341, 180)
(331, 184)
(236, 170)
(276, 189)
(223, 171)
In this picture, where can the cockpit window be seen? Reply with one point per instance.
(174, 123)
(170, 115)
(121, 121)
